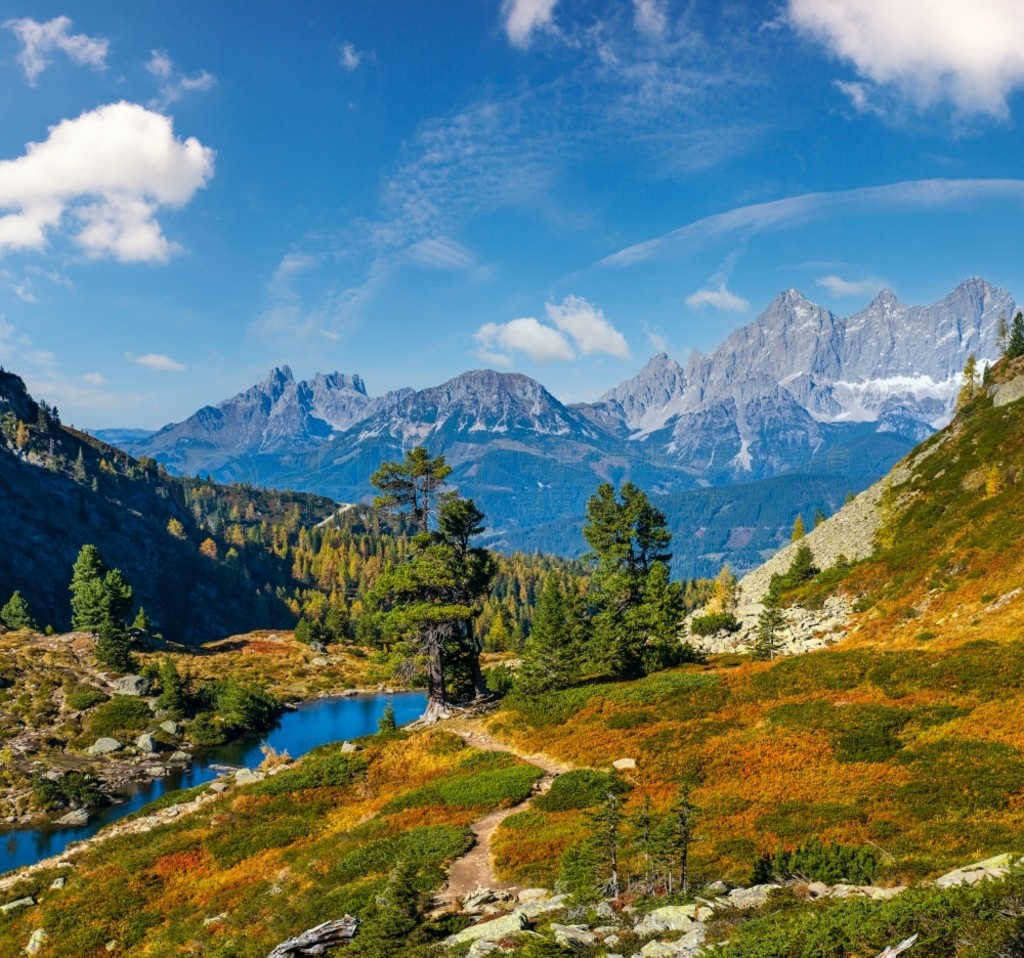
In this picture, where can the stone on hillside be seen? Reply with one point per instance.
(246, 776)
(78, 817)
(317, 646)
(475, 901)
(16, 905)
(691, 944)
(104, 746)
(534, 894)
(349, 747)
(716, 888)
(572, 935)
(132, 685)
(624, 764)
(533, 909)
(218, 787)
(995, 867)
(36, 942)
(146, 743)
(215, 919)
(59, 882)
(491, 930)
(753, 897)
(669, 918)
(1006, 393)
(320, 662)
(170, 727)
(480, 948)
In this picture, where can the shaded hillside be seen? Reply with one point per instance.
(60, 489)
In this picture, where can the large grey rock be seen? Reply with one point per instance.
(572, 935)
(38, 938)
(104, 746)
(1006, 393)
(17, 905)
(78, 817)
(170, 727)
(990, 868)
(491, 930)
(753, 897)
(180, 757)
(668, 918)
(534, 909)
(689, 945)
(132, 685)
(624, 764)
(534, 894)
(146, 743)
(246, 776)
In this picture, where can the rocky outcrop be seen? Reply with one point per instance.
(805, 630)
(1006, 393)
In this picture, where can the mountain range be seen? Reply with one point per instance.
(827, 401)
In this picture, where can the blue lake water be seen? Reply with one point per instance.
(311, 724)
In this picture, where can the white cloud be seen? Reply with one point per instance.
(443, 253)
(657, 340)
(838, 286)
(587, 325)
(94, 379)
(102, 176)
(156, 361)
(797, 210)
(970, 52)
(38, 39)
(350, 57)
(720, 298)
(541, 343)
(173, 83)
(649, 17)
(523, 17)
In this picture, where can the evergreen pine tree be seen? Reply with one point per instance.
(142, 622)
(969, 382)
(114, 645)
(799, 529)
(16, 614)
(769, 623)
(1015, 343)
(87, 594)
(550, 659)
(172, 698)
(674, 840)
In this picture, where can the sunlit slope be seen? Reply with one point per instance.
(906, 736)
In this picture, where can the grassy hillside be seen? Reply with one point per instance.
(905, 738)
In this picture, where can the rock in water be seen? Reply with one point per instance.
(78, 817)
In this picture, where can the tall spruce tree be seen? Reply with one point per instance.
(1015, 342)
(113, 647)
(87, 594)
(551, 656)
(629, 544)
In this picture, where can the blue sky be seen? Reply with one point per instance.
(191, 193)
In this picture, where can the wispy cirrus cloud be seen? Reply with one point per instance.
(838, 286)
(746, 221)
(102, 177)
(39, 40)
(174, 84)
(967, 52)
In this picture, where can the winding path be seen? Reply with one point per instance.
(475, 869)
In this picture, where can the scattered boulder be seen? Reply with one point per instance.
(476, 900)
(1006, 393)
(480, 948)
(17, 904)
(320, 662)
(78, 817)
(533, 909)
(669, 918)
(572, 935)
(246, 776)
(146, 743)
(317, 646)
(215, 919)
(132, 685)
(36, 942)
(995, 867)
(179, 756)
(533, 894)
(753, 897)
(59, 882)
(218, 787)
(104, 746)
(624, 764)
(170, 727)
(691, 944)
(491, 930)
(349, 747)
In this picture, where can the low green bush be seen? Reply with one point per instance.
(502, 786)
(71, 789)
(580, 788)
(713, 622)
(81, 697)
(122, 714)
(816, 861)
(325, 767)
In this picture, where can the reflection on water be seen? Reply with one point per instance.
(312, 724)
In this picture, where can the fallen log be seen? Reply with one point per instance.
(317, 940)
(893, 950)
